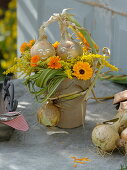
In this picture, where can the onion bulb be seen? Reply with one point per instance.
(121, 143)
(48, 115)
(68, 49)
(105, 136)
(42, 47)
(124, 134)
(125, 147)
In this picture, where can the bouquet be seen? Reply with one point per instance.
(62, 75)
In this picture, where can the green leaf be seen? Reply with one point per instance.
(121, 79)
(46, 75)
(40, 78)
(47, 80)
(50, 75)
(53, 85)
(85, 33)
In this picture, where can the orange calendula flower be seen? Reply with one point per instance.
(82, 70)
(34, 60)
(54, 62)
(31, 43)
(24, 47)
(55, 45)
(81, 36)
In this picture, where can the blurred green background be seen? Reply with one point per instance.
(8, 34)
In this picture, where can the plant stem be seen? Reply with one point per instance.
(122, 121)
(71, 95)
(93, 83)
(85, 33)
(103, 98)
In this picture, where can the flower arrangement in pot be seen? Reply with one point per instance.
(61, 75)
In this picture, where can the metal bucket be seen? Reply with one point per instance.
(7, 104)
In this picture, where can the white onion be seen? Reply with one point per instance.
(105, 136)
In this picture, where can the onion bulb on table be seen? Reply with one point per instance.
(121, 143)
(105, 136)
(123, 140)
(124, 134)
(42, 48)
(48, 115)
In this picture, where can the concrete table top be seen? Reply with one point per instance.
(35, 150)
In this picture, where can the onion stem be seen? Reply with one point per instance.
(102, 98)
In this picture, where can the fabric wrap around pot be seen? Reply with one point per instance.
(72, 111)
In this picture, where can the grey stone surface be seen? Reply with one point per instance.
(35, 150)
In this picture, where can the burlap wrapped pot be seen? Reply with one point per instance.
(72, 111)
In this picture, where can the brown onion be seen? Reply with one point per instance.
(42, 47)
(121, 142)
(69, 49)
(48, 114)
(124, 134)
